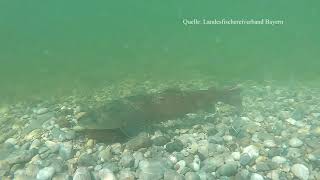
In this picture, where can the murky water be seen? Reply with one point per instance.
(147, 90)
(56, 47)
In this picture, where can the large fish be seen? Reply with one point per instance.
(134, 113)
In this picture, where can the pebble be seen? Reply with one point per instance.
(31, 170)
(279, 159)
(295, 142)
(106, 174)
(35, 134)
(45, 173)
(61, 176)
(53, 146)
(41, 111)
(229, 169)
(35, 144)
(127, 161)
(105, 155)
(196, 163)
(86, 160)
(252, 151)
(90, 143)
(126, 175)
(180, 165)
(175, 146)
(140, 141)
(66, 150)
(227, 138)
(4, 167)
(269, 143)
(245, 159)
(192, 176)
(300, 171)
(256, 176)
(151, 169)
(82, 173)
(22, 156)
(172, 175)
(11, 141)
(235, 156)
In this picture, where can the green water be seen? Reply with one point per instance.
(55, 47)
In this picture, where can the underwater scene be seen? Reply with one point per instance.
(159, 90)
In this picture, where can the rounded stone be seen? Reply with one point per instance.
(256, 176)
(229, 169)
(245, 159)
(106, 174)
(269, 143)
(177, 146)
(66, 150)
(191, 176)
(300, 171)
(82, 173)
(126, 175)
(45, 173)
(279, 159)
(295, 142)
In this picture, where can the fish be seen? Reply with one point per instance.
(133, 114)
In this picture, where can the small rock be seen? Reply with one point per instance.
(66, 150)
(82, 173)
(252, 151)
(35, 144)
(53, 146)
(295, 142)
(191, 176)
(126, 175)
(175, 146)
(90, 143)
(300, 171)
(11, 141)
(127, 161)
(243, 174)
(269, 143)
(45, 173)
(4, 167)
(256, 176)
(245, 159)
(196, 163)
(58, 164)
(235, 156)
(32, 170)
(106, 174)
(229, 169)
(86, 160)
(61, 176)
(172, 175)
(180, 165)
(140, 141)
(105, 155)
(151, 169)
(35, 134)
(279, 159)
(21, 156)
(41, 111)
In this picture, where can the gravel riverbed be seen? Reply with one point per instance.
(275, 136)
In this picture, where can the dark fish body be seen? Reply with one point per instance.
(132, 114)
